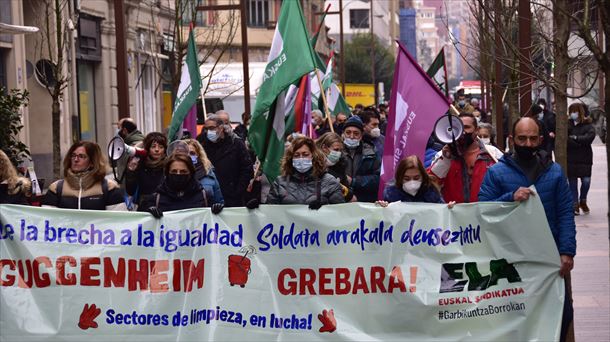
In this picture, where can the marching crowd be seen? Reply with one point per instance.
(340, 163)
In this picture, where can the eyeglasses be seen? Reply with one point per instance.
(79, 156)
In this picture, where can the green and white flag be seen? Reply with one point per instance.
(290, 58)
(438, 72)
(336, 102)
(188, 90)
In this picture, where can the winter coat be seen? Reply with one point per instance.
(548, 126)
(429, 194)
(144, 180)
(580, 153)
(303, 189)
(15, 192)
(504, 178)
(338, 171)
(80, 191)
(232, 165)
(364, 167)
(209, 183)
(168, 199)
(378, 143)
(456, 183)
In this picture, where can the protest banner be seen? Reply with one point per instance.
(485, 271)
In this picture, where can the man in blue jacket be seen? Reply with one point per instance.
(509, 179)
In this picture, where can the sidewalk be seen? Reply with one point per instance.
(591, 274)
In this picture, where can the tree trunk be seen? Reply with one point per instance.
(55, 114)
(562, 34)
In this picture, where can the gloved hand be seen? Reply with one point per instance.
(156, 212)
(315, 205)
(217, 208)
(253, 204)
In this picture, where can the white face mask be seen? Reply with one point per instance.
(411, 187)
(333, 157)
(302, 165)
(485, 141)
(574, 116)
(375, 132)
(351, 143)
(540, 116)
(541, 106)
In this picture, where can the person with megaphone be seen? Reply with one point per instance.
(144, 175)
(463, 161)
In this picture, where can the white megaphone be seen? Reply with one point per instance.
(117, 149)
(448, 129)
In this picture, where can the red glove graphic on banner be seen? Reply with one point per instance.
(329, 323)
(87, 317)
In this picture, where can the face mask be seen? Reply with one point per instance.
(525, 152)
(461, 103)
(302, 165)
(375, 133)
(333, 157)
(351, 143)
(212, 136)
(540, 116)
(194, 159)
(485, 141)
(178, 182)
(574, 116)
(478, 119)
(541, 106)
(411, 187)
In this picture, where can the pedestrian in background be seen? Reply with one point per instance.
(143, 176)
(231, 160)
(332, 146)
(581, 134)
(84, 185)
(204, 171)
(304, 179)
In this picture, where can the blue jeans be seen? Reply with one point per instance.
(585, 184)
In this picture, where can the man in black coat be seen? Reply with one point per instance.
(230, 158)
(548, 119)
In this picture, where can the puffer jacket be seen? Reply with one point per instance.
(504, 178)
(209, 183)
(168, 199)
(303, 189)
(580, 153)
(429, 194)
(86, 194)
(457, 185)
(363, 167)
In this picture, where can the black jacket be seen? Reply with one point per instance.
(144, 180)
(580, 153)
(232, 165)
(168, 199)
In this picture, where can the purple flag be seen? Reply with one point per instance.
(190, 122)
(306, 129)
(415, 105)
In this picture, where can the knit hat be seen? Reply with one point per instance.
(354, 121)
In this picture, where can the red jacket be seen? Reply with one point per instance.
(456, 183)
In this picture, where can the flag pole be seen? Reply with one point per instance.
(330, 123)
(205, 112)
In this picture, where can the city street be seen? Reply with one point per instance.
(591, 274)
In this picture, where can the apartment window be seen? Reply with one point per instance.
(88, 46)
(5, 17)
(359, 18)
(202, 18)
(258, 13)
(86, 100)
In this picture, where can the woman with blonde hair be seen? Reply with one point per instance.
(411, 184)
(13, 188)
(332, 146)
(204, 170)
(581, 134)
(84, 185)
(304, 179)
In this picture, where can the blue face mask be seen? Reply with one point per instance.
(351, 143)
(302, 165)
(461, 103)
(574, 116)
(212, 136)
(194, 160)
(540, 116)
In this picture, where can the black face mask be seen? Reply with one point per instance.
(525, 152)
(178, 182)
(465, 140)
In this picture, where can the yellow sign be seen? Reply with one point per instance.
(359, 93)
